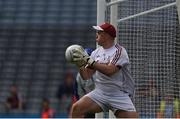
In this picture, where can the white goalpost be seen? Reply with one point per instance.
(178, 8)
(102, 5)
(100, 19)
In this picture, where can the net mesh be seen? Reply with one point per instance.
(153, 44)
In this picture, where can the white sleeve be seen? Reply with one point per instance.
(120, 58)
(93, 54)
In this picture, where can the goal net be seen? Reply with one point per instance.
(153, 44)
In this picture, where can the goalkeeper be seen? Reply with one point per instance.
(114, 85)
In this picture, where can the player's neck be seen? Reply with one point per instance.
(108, 45)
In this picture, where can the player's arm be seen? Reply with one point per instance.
(107, 69)
(86, 73)
(119, 60)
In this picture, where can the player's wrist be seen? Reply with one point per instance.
(90, 61)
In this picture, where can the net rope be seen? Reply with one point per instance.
(153, 46)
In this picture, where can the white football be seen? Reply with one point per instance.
(69, 52)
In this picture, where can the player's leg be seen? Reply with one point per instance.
(83, 106)
(126, 114)
(122, 105)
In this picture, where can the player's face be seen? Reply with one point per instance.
(100, 37)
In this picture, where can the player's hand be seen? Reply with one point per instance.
(81, 56)
(80, 64)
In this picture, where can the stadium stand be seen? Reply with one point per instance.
(33, 37)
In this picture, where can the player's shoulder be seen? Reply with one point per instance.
(120, 47)
(99, 49)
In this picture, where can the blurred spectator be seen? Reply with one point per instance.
(85, 86)
(177, 107)
(152, 89)
(14, 102)
(67, 92)
(169, 107)
(47, 111)
(150, 98)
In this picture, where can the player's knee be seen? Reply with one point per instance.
(76, 110)
(126, 114)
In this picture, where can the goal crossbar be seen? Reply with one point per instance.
(146, 12)
(115, 2)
